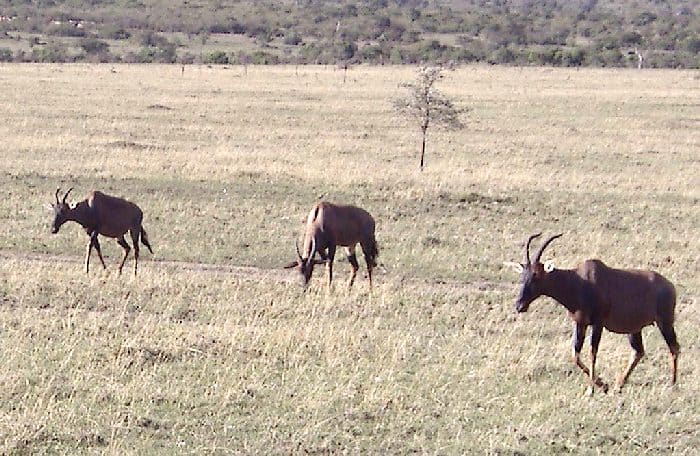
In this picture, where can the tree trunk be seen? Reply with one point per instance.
(422, 152)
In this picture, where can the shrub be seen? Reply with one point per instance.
(93, 45)
(345, 51)
(217, 57)
(187, 58)
(154, 54)
(692, 44)
(630, 38)
(370, 53)
(502, 55)
(5, 55)
(292, 38)
(65, 29)
(228, 26)
(263, 58)
(51, 53)
(310, 53)
(112, 32)
(574, 57)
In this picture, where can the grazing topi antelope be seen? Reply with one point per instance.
(330, 225)
(621, 300)
(106, 215)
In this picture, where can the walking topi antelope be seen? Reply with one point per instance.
(330, 225)
(106, 215)
(622, 300)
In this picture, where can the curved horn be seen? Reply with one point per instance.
(66, 195)
(296, 243)
(58, 190)
(544, 246)
(313, 248)
(527, 247)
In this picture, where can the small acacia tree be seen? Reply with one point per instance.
(428, 106)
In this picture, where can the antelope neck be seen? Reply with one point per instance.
(562, 285)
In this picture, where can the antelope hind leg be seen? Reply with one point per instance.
(122, 242)
(638, 347)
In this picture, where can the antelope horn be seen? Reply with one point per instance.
(544, 246)
(57, 192)
(66, 195)
(296, 243)
(313, 248)
(527, 247)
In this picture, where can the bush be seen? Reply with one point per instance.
(153, 54)
(608, 58)
(263, 58)
(94, 45)
(644, 18)
(574, 57)
(111, 32)
(65, 29)
(692, 44)
(609, 42)
(51, 53)
(630, 38)
(5, 55)
(502, 55)
(292, 38)
(310, 53)
(187, 58)
(395, 56)
(229, 26)
(345, 51)
(371, 53)
(217, 58)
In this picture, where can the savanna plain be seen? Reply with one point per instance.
(214, 349)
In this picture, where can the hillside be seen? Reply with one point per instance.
(516, 32)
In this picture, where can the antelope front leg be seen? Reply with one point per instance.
(87, 256)
(596, 333)
(329, 264)
(96, 243)
(577, 341)
(93, 242)
(579, 335)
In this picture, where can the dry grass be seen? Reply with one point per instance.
(214, 349)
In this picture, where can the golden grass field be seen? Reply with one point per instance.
(214, 349)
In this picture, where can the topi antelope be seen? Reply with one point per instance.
(330, 225)
(621, 300)
(106, 215)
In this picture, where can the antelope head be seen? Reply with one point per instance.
(61, 210)
(305, 266)
(533, 274)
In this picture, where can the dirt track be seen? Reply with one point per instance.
(278, 275)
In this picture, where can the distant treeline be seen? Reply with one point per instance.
(650, 33)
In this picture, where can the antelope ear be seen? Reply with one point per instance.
(291, 265)
(48, 207)
(548, 266)
(517, 267)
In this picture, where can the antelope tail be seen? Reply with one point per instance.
(144, 240)
(372, 250)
